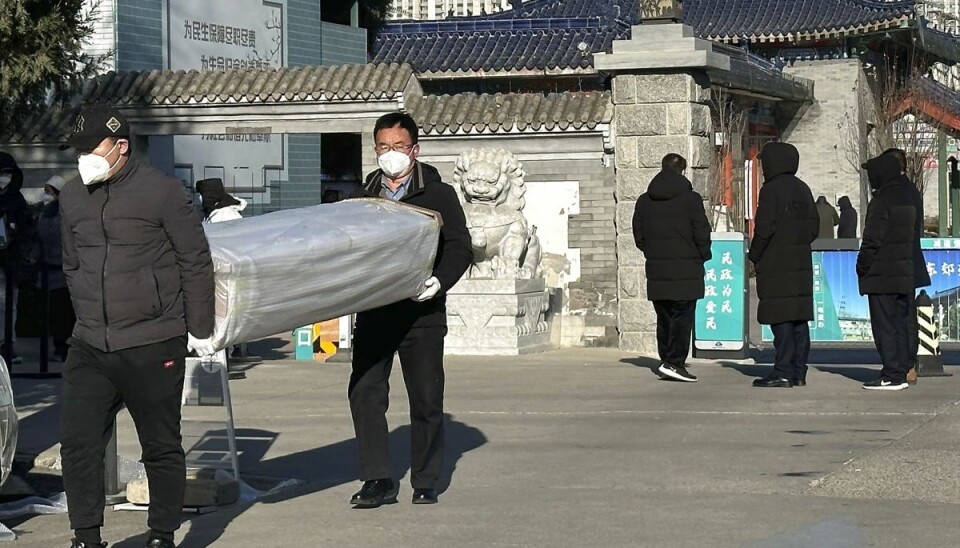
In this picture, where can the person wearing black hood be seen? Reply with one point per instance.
(217, 204)
(848, 219)
(414, 328)
(16, 221)
(885, 269)
(786, 224)
(828, 218)
(670, 227)
(921, 277)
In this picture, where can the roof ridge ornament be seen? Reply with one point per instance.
(660, 11)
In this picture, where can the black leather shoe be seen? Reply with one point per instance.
(425, 496)
(800, 382)
(159, 543)
(773, 382)
(374, 493)
(77, 544)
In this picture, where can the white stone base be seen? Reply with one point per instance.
(497, 318)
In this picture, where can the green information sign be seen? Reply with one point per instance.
(721, 314)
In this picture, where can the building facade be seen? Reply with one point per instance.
(442, 9)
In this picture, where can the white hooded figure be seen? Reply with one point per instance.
(218, 206)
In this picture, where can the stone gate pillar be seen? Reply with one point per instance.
(660, 92)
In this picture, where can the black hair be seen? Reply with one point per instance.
(674, 162)
(900, 155)
(398, 119)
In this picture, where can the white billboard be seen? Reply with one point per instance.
(219, 35)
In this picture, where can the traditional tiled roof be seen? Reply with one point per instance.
(498, 45)
(792, 20)
(325, 83)
(753, 73)
(937, 103)
(512, 112)
(50, 126)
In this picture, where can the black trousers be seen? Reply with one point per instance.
(149, 381)
(890, 318)
(791, 340)
(62, 319)
(421, 359)
(674, 329)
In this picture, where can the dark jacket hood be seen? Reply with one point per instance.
(845, 203)
(9, 164)
(882, 171)
(214, 196)
(779, 159)
(667, 185)
(822, 200)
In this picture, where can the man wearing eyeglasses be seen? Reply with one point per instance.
(413, 328)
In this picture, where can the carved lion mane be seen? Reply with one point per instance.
(476, 169)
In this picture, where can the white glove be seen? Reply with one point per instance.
(430, 289)
(202, 347)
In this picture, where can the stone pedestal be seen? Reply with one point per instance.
(497, 318)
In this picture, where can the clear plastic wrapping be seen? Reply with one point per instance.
(8, 423)
(292, 268)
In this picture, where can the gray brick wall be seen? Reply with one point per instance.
(139, 35)
(823, 146)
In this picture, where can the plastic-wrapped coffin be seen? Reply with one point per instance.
(284, 270)
(8, 423)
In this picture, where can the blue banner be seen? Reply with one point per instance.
(722, 311)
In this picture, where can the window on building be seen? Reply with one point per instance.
(336, 11)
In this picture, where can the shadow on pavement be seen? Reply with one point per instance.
(320, 469)
(643, 362)
(859, 374)
(756, 371)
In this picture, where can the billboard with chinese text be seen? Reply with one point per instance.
(720, 320)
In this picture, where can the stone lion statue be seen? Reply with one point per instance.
(491, 188)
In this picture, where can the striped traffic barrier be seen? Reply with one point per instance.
(929, 361)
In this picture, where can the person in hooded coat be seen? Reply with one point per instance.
(48, 253)
(921, 277)
(885, 269)
(670, 227)
(848, 219)
(219, 206)
(13, 257)
(828, 218)
(786, 224)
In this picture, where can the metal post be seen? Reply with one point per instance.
(355, 14)
(45, 328)
(8, 305)
(113, 490)
(942, 182)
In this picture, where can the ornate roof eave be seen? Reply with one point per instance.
(518, 73)
(817, 34)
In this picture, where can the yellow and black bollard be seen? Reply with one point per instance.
(929, 362)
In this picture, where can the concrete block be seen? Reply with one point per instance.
(688, 119)
(627, 252)
(637, 315)
(626, 156)
(650, 119)
(667, 88)
(702, 151)
(624, 89)
(631, 282)
(625, 217)
(204, 488)
(644, 344)
(653, 149)
(631, 183)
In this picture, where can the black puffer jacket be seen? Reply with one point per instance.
(921, 278)
(454, 253)
(16, 216)
(848, 219)
(671, 228)
(136, 259)
(885, 262)
(786, 223)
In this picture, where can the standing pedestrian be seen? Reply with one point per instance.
(140, 274)
(670, 227)
(414, 329)
(885, 270)
(828, 218)
(921, 277)
(14, 251)
(786, 224)
(848, 219)
(49, 255)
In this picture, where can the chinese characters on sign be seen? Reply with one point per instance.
(720, 314)
(219, 34)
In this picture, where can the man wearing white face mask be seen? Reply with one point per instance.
(141, 279)
(414, 329)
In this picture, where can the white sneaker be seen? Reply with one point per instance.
(676, 372)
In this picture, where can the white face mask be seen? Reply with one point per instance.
(394, 163)
(5, 180)
(94, 168)
(47, 199)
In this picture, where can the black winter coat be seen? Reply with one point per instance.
(886, 258)
(921, 278)
(16, 217)
(454, 252)
(671, 228)
(828, 218)
(848, 219)
(136, 260)
(786, 223)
